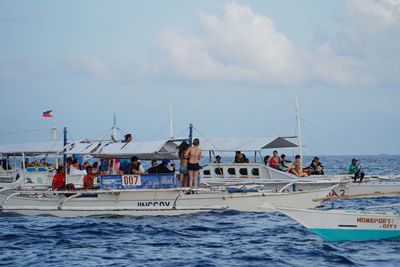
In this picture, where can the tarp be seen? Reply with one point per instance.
(244, 144)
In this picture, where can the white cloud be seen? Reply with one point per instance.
(242, 45)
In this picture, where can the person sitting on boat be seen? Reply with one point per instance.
(95, 167)
(275, 160)
(266, 160)
(356, 169)
(296, 168)
(133, 167)
(75, 168)
(128, 138)
(194, 156)
(285, 164)
(240, 158)
(315, 167)
(162, 167)
(88, 179)
(58, 180)
(217, 159)
(42, 163)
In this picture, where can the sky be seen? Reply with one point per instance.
(232, 68)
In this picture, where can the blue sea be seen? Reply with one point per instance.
(207, 239)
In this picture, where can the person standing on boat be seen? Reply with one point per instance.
(296, 168)
(59, 179)
(183, 169)
(193, 154)
(275, 161)
(356, 169)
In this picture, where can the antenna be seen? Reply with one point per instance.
(171, 134)
(114, 128)
(299, 132)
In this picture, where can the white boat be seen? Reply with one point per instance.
(340, 225)
(139, 199)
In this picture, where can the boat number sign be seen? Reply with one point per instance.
(340, 193)
(129, 180)
(385, 223)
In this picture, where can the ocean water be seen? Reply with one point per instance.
(206, 239)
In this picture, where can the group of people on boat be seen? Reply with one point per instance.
(190, 157)
(282, 164)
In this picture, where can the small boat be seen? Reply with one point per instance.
(352, 225)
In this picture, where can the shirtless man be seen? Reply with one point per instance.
(193, 154)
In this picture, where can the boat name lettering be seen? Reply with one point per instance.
(374, 220)
(154, 204)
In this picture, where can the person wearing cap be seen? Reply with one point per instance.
(162, 167)
(315, 167)
(356, 169)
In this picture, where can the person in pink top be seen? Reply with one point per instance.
(275, 161)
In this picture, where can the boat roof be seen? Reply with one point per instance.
(144, 150)
(245, 144)
(32, 148)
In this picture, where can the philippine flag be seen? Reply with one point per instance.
(47, 114)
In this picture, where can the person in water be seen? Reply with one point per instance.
(296, 168)
(315, 168)
(285, 164)
(193, 154)
(356, 169)
(275, 160)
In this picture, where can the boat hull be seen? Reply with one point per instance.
(150, 202)
(341, 225)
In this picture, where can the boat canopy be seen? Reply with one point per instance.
(30, 149)
(145, 150)
(245, 144)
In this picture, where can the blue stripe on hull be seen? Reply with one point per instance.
(355, 235)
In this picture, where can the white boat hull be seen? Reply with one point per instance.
(149, 202)
(339, 225)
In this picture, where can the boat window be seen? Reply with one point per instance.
(243, 171)
(232, 171)
(255, 172)
(206, 172)
(219, 171)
